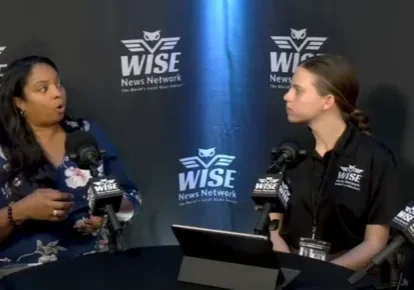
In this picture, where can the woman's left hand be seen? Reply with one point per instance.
(91, 225)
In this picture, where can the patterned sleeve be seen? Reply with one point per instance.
(114, 166)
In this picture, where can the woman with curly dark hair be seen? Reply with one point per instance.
(44, 214)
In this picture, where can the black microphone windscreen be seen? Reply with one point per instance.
(300, 144)
(79, 139)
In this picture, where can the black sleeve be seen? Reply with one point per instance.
(385, 197)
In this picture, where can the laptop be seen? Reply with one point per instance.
(226, 246)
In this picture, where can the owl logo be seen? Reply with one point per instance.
(152, 36)
(268, 180)
(207, 152)
(217, 160)
(298, 34)
(104, 182)
(142, 45)
(409, 209)
(352, 169)
(299, 37)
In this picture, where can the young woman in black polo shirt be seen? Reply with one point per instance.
(343, 195)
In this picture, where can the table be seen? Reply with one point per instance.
(153, 268)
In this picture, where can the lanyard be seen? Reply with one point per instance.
(316, 195)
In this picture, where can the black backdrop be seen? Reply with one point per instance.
(213, 87)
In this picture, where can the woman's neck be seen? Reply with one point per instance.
(46, 133)
(327, 131)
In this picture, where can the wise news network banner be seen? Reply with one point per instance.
(226, 72)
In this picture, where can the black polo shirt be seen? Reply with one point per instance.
(355, 185)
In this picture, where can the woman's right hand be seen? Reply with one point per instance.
(44, 204)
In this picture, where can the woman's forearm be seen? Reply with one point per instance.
(5, 227)
(359, 256)
(279, 244)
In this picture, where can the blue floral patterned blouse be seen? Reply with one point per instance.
(42, 241)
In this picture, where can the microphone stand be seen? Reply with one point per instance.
(263, 221)
(116, 238)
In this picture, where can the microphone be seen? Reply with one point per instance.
(288, 153)
(267, 193)
(104, 194)
(270, 189)
(83, 149)
(404, 223)
(293, 150)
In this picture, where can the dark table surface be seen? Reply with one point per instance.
(154, 268)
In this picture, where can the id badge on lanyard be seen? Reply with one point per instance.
(311, 247)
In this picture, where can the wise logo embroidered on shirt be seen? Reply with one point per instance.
(349, 176)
